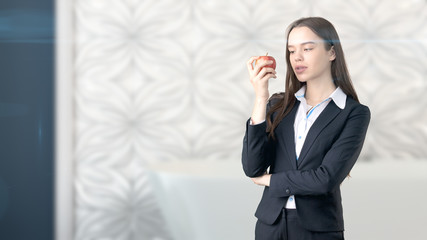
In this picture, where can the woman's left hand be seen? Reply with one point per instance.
(263, 180)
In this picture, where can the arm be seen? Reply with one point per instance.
(254, 154)
(258, 149)
(255, 143)
(336, 164)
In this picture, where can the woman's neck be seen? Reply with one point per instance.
(317, 91)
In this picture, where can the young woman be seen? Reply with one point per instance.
(301, 144)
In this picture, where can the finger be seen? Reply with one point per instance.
(270, 70)
(250, 62)
(268, 76)
(261, 73)
(251, 59)
(259, 78)
(262, 65)
(264, 72)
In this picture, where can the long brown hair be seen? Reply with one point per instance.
(325, 30)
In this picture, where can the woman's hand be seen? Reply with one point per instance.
(259, 77)
(263, 180)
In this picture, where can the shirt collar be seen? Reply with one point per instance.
(338, 96)
(301, 93)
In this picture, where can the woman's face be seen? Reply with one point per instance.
(309, 59)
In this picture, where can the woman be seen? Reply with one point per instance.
(301, 144)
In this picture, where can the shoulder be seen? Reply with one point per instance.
(356, 108)
(274, 99)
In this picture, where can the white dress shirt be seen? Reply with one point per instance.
(304, 119)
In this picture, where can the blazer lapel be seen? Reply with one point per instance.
(328, 114)
(289, 134)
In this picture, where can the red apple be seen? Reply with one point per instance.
(266, 58)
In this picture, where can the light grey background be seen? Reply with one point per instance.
(160, 85)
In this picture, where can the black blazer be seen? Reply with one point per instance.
(330, 150)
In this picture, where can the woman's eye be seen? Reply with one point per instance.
(291, 52)
(308, 49)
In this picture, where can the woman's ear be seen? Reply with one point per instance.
(332, 55)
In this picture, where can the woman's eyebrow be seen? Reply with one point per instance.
(304, 43)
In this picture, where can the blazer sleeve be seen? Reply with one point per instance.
(336, 164)
(258, 149)
(254, 154)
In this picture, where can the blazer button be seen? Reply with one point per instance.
(287, 191)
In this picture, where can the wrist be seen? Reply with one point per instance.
(258, 113)
(261, 100)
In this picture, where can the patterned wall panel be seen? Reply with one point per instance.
(165, 80)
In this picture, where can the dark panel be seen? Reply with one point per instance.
(26, 119)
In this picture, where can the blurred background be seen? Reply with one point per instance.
(124, 119)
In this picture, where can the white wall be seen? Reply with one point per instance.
(164, 81)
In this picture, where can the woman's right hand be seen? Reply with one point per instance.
(259, 76)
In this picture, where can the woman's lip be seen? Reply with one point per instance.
(300, 69)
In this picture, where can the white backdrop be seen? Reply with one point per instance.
(164, 81)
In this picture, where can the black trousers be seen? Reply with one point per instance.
(287, 227)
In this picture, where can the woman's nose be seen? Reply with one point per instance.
(297, 56)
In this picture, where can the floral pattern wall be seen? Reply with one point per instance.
(166, 81)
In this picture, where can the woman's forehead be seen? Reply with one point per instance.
(303, 35)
